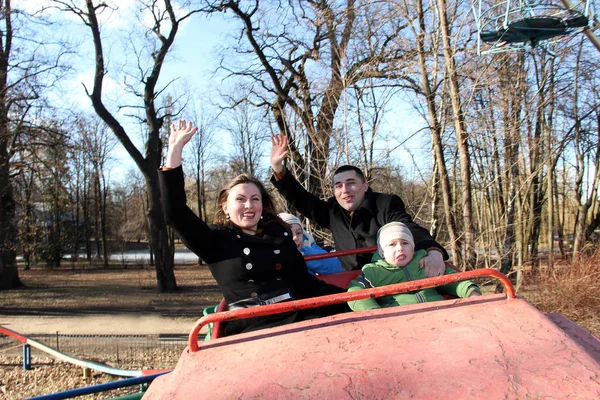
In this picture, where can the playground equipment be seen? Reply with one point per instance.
(493, 346)
(132, 377)
(520, 24)
(85, 364)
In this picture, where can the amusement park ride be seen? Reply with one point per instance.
(521, 24)
(493, 346)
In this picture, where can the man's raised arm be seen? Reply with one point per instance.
(307, 204)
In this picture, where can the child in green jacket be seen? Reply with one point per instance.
(397, 262)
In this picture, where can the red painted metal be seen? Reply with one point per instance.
(487, 347)
(13, 334)
(585, 339)
(341, 279)
(343, 298)
(217, 330)
(341, 253)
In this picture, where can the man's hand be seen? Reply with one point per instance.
(433, 263)
(278, 152)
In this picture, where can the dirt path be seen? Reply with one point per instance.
(125, 324)
(91, 301)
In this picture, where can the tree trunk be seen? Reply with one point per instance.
(104, 196)
(436, 141)
(512, 75)
(97, 213)
(470, 260)
(9, 274)
(165, 276)
(510, 240)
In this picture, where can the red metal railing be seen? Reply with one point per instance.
(341, 253)
(344, 298)
(217, 330)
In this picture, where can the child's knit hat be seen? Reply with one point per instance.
(393, 230)
(290, 219)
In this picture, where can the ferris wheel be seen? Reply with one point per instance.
(524, 24)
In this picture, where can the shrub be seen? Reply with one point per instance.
(572, 290)
(49, 253)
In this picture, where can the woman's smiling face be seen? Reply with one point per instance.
(244, 206)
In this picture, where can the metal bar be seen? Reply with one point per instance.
(83, 363)
(67, 394)
(587, 31)
(344, 298)
(68, 358)
(26, 357)
(13, 334)
(341, 253)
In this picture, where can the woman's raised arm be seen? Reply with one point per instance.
(181, 133)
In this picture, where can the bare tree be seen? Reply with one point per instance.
(585, 120)
(460, 129)
(203, 152)
(97, 145)
(303, 55)
(163, 28)
(248, 135)
(28, 67)
(428, 84)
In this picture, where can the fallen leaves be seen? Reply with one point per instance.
(48, 375)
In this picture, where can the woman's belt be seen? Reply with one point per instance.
(273, 297)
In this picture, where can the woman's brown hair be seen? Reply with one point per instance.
(269, 209)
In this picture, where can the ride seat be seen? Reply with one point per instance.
(341, 280)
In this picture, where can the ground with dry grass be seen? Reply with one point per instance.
(93, 290)
(77, 290)
(569, 290)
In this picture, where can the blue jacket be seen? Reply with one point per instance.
(321, 267)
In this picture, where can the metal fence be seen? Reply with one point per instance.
(121, 351)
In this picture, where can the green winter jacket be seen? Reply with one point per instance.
(381, 273)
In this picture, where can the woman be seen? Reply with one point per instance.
(249, 250)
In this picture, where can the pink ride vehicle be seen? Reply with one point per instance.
(493, 346)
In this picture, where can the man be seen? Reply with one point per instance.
(354, 214)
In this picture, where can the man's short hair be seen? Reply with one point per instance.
(345, 168)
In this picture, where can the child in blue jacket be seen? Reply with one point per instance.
(307, 246)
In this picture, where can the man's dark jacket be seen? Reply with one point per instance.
(356, 230)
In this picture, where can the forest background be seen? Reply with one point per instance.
(505, 172)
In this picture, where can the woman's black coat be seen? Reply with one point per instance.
(244, 266)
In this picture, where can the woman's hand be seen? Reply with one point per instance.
(181, 133)
(278, 152)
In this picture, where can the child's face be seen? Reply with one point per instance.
(398, 252)
(298, 235)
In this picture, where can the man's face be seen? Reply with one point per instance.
(349, 190)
